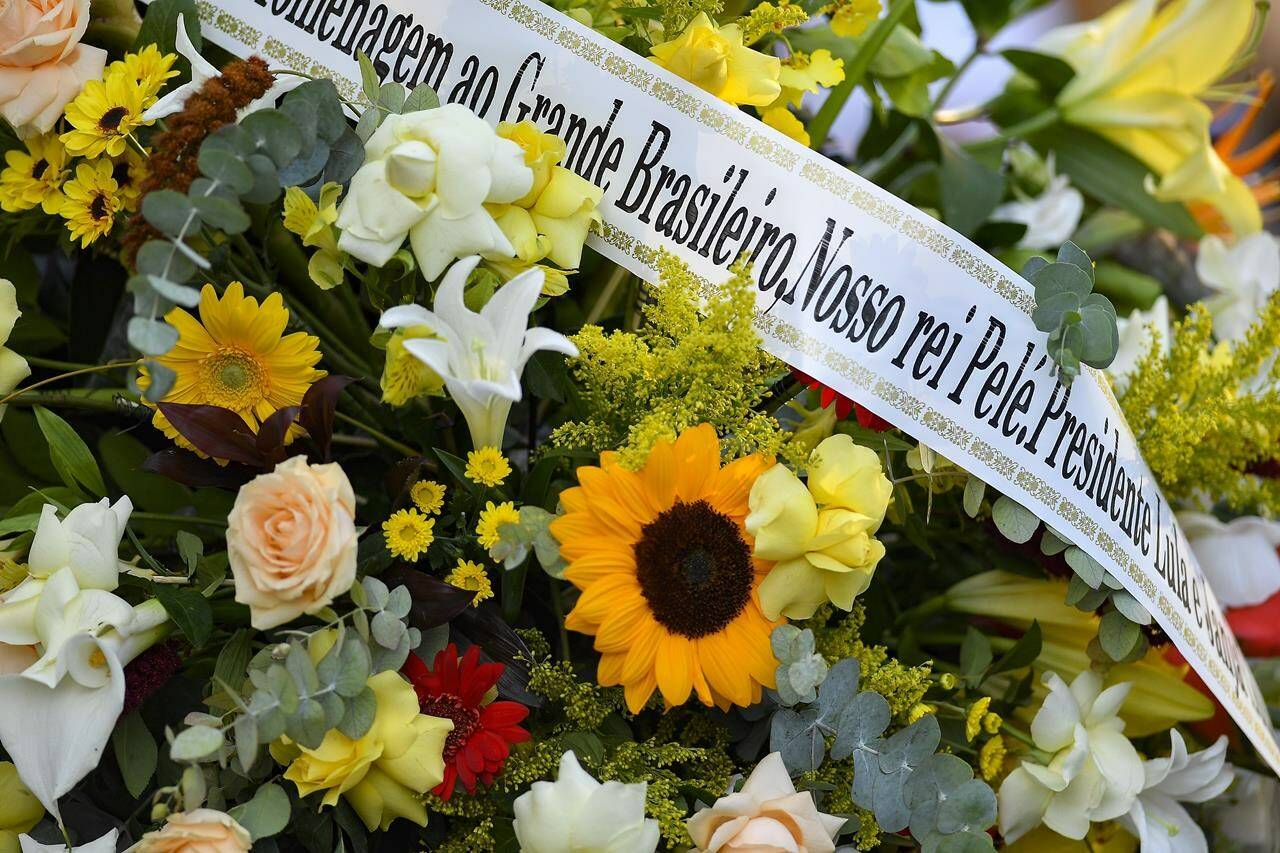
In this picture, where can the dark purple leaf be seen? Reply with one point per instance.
(186, 468)
(485, 627)
(317, 411)
(219, 432)
(434, 601)
(272, 432)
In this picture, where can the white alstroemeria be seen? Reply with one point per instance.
(105, 844)
(1051, 217)
(1157, 816)
(428, 175)
(1243, 276)
(1238, 557)
(78, 707)
(202, 70)
(577, 814)
(1094, 774)
(1136, 333)
(480, 356)
(87, 542)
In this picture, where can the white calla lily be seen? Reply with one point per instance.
(481, 355)
(105, 844)
(1157, 816)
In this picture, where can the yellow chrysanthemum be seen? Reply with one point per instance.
(34, 176)
(129, 170)
(991, 757)
(91, 202)
(473, 578)
(428, 496)
(782, 120)
(487, 466)
(492, 517)
(669, 585)
(149, 68)
(409, 534)
(850, 18)
(973, 718)
(103, 115)
(237, 356)
(404, 376)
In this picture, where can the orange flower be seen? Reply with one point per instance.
(669, 586)
(1244, 164)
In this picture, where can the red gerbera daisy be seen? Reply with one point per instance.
(826, 396)
(477, 748)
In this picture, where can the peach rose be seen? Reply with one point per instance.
(291, 541)
(43, 65)
(198, 831)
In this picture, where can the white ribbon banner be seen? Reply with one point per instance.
(855, 287)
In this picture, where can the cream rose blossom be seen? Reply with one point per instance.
(198, 831)
(43, 65)
(291, 541)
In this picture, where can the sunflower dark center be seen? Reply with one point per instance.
(111, 118)
(120, 173)
(694, 569)
(465, 720)
(39, 168)
(98, 207)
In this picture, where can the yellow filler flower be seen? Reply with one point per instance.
(715, 59)
(669, 586)
(238, 357)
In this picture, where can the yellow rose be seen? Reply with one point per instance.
(821, 536)
(541, 152)
(197, 831)
(291, 541)
(383, 774)
(1141, 70)
(19, 809)
(564, 214)
(13, 367)
(715, 60)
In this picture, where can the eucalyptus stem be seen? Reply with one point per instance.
(855, 70)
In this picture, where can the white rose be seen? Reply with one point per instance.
(577, 814)
(427, 175)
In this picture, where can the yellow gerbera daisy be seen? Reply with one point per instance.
(473, 578)
(669, 586)
(149, 68)
(428, 496)
(492, 517)
(91, 202)
(103, 115)
(409, 534)
(487, 466)
(34, 176)
(237, 356)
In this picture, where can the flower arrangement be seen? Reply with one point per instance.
(350, 501)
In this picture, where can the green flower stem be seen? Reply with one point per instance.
(378, 435)
(93, 401)
(855, 70)
(178, 519)
(937, 604)
(557, 608)
(1038, 122)
(97, 368)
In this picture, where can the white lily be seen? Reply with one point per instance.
(480, 356)
(105, 844)
(201, 72)
(1051, 217)
(1157, 816)
(1243, 275)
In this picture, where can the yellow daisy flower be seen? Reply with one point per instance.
(129, 170)
(237, 356)
(487, 466)
(91, 202)
(103, 115)
(473, 578)
(492, 517)
(409, 534)
(34, 176)
(670, 589)
(428, 496)
(149, 68)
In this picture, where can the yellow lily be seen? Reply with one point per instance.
(1141, 70)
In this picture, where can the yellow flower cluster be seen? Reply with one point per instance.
(768, 18)
(90, 194)
(682, 368)
(473, 578)
(1204, 414)
(487, 466)
(409, 534)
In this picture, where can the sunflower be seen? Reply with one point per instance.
(103, 115)
(129, 169)
(669, 586)
(91, 202)
(34, 176)
(237, 356)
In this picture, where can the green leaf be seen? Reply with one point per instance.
(391, 97)
(222, 213)
(421, 98)
(160, 25)
(975, 652)
(196, 744)
(970, 190)
(1023, 653)
(974, 490)
(1130, 607)
(1016, 522)
(267, 814)
(234, 658)
(274, 134)
(1051, 73)
(1118, 635)
(136, 753)
(223, 166)
(70, 455)
(153, 337)
(182, 294)
(1090, 570)
(189, 610)
(359, 714)
(861, 724)
(170, 211)
(160, 258)
(370, 85)
(190, 549)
